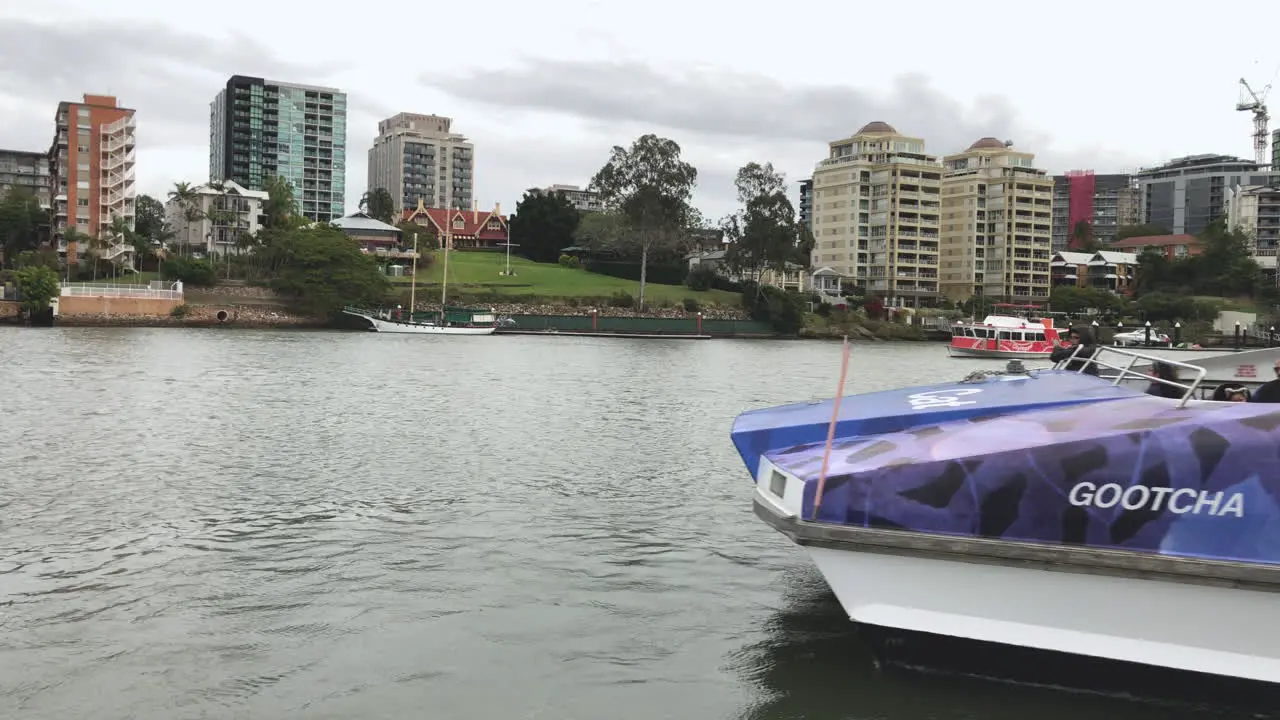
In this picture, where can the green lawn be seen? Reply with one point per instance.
(479, 272)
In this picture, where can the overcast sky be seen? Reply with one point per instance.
(545, 89)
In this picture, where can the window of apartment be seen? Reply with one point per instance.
(82, 202)
(83, 166)
(82, 221)
(82, 149)
(83, 176)
(82, 112)
(82, 185)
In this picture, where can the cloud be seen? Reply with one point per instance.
(167, 75)
(721, 105)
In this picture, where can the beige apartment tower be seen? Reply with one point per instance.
(420, 157)
(997, 225)
(876, 205)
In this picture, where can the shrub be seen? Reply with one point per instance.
(691, 305)
(570, 261)
(180, 311)
(622, 300)
(192, 271)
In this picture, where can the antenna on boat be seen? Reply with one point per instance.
(831, 430)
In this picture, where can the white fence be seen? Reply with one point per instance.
(123, 291)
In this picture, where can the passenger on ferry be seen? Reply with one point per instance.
(1270, 391)
(1231, 393)
(1165, 371)
(1076, 336)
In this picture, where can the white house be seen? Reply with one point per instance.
(221, 214)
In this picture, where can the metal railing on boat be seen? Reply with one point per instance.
(1127, 370)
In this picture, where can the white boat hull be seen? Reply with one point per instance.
(404, 328)
(1213, 630)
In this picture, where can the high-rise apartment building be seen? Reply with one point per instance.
(91, 171)
(997, 214)
(26, 170)
(1106, 202)
(804, 211)
(263, 128)
(583, 200)
(420, 157)
(1255, 209)
(1186, 194)
(876, 201)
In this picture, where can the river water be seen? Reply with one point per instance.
(196, 523)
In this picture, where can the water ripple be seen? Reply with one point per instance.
(325, 525)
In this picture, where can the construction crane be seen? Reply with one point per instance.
(1256, 103)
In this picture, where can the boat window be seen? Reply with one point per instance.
(1036, 336)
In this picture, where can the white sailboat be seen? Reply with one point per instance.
(450, 321)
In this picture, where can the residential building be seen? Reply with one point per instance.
(91, 173)
(805, 208)
(997, 215)
(263, 128)
(1070, 268)
(1106, 202)
(875, 215)
(699, 240)
(584, 200)
(1275, 149)
(26, 170)
(1172, 247)
(467, 229)
(1112, 270)
(792, 277)
(378, 238)
(1186, 194)
(220, 220)
(418, 158)
(827, 283)
(1255, 209)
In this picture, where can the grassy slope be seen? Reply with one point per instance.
(478, 272)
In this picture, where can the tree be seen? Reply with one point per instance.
(38, 286)
(280, 211)
(150, 228)
(428, 238)
(188, 199)
(1082, 238)
(650, 187)
(763, 235)
(543, 224)
(74, 240)
(377, 204)
(21, 220)
(598, 231)
(320, 270)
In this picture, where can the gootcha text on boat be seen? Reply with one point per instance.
(1051, 511)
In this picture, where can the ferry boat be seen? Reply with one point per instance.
(1047, 511)
(1004, 336)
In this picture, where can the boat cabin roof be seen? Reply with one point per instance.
(1009, 322)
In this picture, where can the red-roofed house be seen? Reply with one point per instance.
(469, 229)
(1173, 246)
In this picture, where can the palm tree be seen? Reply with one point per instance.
(188, 198)
(121, 233)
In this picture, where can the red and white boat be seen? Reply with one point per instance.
(1004, 336)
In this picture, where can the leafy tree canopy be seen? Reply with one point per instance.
(1125, 232)
(543, 224)
(1223, 268)
(763, 234)
(377, 204)
(21, 221)
(320, 270)
(38, 285)
(650, 187)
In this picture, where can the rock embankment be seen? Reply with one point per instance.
(199, 316)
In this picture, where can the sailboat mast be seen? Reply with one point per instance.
(413, 285)
(444, 282)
